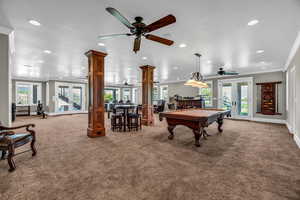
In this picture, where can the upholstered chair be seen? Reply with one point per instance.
(10, 140)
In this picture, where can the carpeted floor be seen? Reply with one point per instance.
(248, 161)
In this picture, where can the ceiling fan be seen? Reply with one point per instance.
(222, 72)
(139, 29)
(127, 84)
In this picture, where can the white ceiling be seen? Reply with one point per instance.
(215, 28)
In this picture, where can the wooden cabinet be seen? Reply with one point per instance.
(268, 98)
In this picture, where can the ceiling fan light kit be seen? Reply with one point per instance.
(197, 79)
(139, 29)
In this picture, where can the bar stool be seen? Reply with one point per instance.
(117, 119)
(134, 119)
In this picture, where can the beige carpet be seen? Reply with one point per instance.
(248, 161)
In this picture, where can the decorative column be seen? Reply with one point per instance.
(96, 125)
(147, 89)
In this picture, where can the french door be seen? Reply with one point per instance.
(69, 97)
(236, 95)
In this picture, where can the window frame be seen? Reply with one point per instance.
(212, 93)
(30, 86)
(130, 93)
(161, 88)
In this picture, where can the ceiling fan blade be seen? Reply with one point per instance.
(137, 44)
(120, 17)
(231, 73)
(104, 37)
(165, 21)
(159, 39)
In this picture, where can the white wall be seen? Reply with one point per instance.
(5, 81)
(292, 106)
(182, 90)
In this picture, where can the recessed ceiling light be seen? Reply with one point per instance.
(209, 61)
(40, 61)
(144, 58)
(253, 22)
(101, 44)
(34, 22)
(47, 51)
(182, 45)
(260, 51)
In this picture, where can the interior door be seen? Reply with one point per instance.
(236, 95)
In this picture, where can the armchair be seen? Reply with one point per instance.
(9, 141)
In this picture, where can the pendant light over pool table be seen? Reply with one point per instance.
(197, 79)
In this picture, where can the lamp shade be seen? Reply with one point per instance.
(194, 83)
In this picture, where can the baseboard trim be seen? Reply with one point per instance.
(289, 128)
(275, 121)
(297, 140)
(67, 113)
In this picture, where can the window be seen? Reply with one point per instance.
(164, 92)
(155, 93)
(28, 93)
(126, 94)
(109, 95)
(134, 95)
(207, 94)
(47, 94)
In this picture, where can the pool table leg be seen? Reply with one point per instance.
(205, 134)
(220, 123)
(170, 129)
(198, 134)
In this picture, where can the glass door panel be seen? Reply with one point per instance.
(77, 98)
(242, 101)
(63, 98)
(227, 96)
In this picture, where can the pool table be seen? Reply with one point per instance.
(195, 119)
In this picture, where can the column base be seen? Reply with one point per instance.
(92, 133)
(147, 118)
(147, 122)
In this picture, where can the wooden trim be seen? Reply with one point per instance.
(277, 82)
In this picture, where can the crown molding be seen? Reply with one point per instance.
(226, 76)
(293, 52)
(5, 30)
(243, 74)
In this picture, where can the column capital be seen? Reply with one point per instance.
(147, 67)
(97, 53)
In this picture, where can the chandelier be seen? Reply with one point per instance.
(196, 79)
